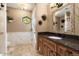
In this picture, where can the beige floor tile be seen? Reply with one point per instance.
(22, 50)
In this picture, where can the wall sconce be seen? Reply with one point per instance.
(9, 19)
(56, 5)
(53, 5)
(1, 6)
(59, 4)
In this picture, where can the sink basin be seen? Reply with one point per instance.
(54, 37)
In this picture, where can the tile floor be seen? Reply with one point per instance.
(22, 50)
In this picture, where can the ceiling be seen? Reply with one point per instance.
(28, 6)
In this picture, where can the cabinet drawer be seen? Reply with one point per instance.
(40, 45)
(61, 50)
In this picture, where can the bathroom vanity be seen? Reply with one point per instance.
(49, 44)
(63, 38)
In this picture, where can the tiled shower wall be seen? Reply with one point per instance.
(19, 38)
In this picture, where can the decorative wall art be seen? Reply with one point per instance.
(26, 20)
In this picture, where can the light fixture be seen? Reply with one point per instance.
(9, 19)
(52, 5)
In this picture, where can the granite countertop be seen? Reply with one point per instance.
(66, 41)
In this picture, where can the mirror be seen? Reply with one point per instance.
(62, 21)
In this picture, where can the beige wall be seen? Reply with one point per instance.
(17, 25)
(2, 30)
(77, 19)
(50, 19)
(40, 10)
(2, 20)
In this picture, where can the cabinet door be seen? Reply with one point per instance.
(45, 49)
(40, 47)
(69, 53)
(61, 50)
(52, 53)
(52, 48)
(49, 47)
(38, 43)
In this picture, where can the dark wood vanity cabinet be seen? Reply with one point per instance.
(47, 47)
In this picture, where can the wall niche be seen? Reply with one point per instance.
(43, 17)
(40, 22)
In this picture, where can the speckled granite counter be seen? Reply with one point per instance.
(67, 40)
